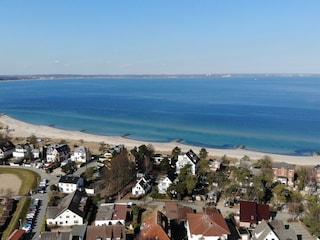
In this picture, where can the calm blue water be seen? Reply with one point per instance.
(269, 114)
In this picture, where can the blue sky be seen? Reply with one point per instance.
(159, 36)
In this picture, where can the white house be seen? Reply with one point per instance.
(69, 184)
(21, 151)
(188, 158)
(164, 183)
(70, 212)
(142, 187)
(36, 153)
(111, 214)
(264, 232)
(214, 164)
(274, 230)
(81, 154)
(6, 149)
(58, 153)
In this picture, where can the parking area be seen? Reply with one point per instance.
(32, 215)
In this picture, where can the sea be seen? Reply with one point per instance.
(271, 114)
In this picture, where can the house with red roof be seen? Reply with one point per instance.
(176, 211)
(207, 225)
(253, 213)
(154, 227)
(17, 234)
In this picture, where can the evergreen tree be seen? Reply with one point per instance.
(312, 216)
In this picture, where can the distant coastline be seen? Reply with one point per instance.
(211, 75)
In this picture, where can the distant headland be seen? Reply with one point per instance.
(211, 75)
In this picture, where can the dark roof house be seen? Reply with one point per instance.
(73, 204)
(252, 212)
(6, 148)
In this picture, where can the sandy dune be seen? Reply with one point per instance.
(16, 128)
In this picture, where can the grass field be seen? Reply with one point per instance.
(28, 178)
(29, 181)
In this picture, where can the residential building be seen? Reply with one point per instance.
(274, 230)
(207, 225)
(154, 227)
(283, 172)
(164, 183)
(57, 235)
(81, 154)
(176, 212)
(69, 184)
(6, 149)
(17, 234)
(78, 232)
(71, 210)
(22, 151)
(36, 153)
(188, 158)
(106, 232)
(142, 187)
(214, 164)
(264, 232)
(111, 214)
(58, 153)
(252, 213)
(316, 176)
(157, 158)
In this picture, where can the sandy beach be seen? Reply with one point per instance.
(15, 128)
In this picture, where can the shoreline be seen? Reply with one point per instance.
(17, 128)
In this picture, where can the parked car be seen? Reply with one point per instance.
(42, 189)
(27, 227)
